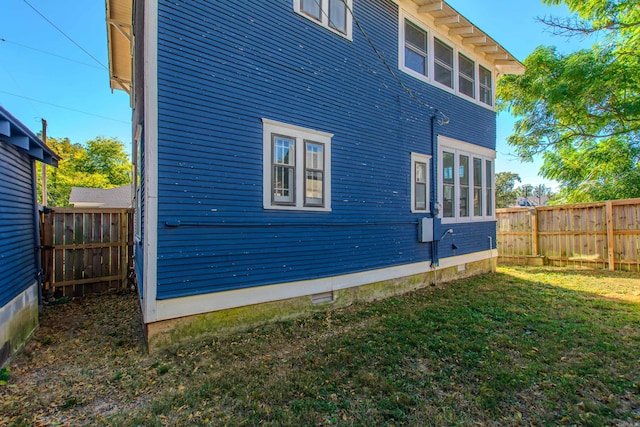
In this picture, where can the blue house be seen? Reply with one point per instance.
(19, 233)
(291, 153)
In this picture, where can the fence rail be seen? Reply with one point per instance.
(86, 250)
(596, 235)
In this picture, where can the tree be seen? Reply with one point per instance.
(582, 110)
(505, 194)
(102, 164)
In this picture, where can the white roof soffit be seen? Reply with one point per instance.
(120, 43)
(451, 22)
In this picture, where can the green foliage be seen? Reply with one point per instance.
(582, 110)
(5, 376)
(102, 163)
(505, 193)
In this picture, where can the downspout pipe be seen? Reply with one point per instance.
(433, 194)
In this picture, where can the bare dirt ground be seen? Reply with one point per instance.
(72, 369)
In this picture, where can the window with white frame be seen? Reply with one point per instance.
(297, 167)
(415, 48)
(486, 88)
(442, 63)
(420, 182)
(332, 14)
(466, 180)
(427, 55)
(466, 76)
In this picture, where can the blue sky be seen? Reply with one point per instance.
(43, 74)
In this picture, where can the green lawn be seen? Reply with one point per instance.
(525, 346)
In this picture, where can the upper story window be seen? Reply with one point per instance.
(466, 180)
(420, 182)
(486, 88)
(297, 167)
(442, 63)
(332, 14)
(466, 76)
(431, 58)
(415, 48)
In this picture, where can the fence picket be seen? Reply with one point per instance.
(91, 250)
(595, 235)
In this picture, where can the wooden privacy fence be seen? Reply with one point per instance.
(595, 235)
(86, 250)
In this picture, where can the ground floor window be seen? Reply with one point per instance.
(466, 181)
(297, 167)
(420, 182)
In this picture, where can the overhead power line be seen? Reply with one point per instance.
(64, 108)
(24, 46)
(64, 34)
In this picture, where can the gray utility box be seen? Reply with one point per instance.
(425, 230)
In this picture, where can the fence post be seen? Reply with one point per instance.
(534, 233)
(123, 249)
(610, 239)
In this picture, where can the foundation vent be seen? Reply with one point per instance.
(323, 298)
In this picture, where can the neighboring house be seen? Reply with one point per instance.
(279, 158)
(531, 201)
(19, 233)
(83, 197)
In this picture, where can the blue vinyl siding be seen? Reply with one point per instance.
(220, 71)
(17, 257)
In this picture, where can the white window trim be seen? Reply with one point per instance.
(324, 17)
(433, 33)
(300, 134)
(473, 151)
(421, 158)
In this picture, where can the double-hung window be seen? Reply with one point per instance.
(415, 48)
(420, 182)
(466, 181)
(332, 14)
(443, 63)
(297, 167)
(486, 88)
(433, 57)
(466, 76)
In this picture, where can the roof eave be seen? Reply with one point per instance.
(119, 20)
(14, 132)
(456, 25)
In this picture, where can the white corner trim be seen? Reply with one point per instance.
(150, 248)
(187, 306)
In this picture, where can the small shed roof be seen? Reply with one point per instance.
(83, 197)
(14, 132)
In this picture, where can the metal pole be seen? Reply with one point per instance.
(44, 165)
